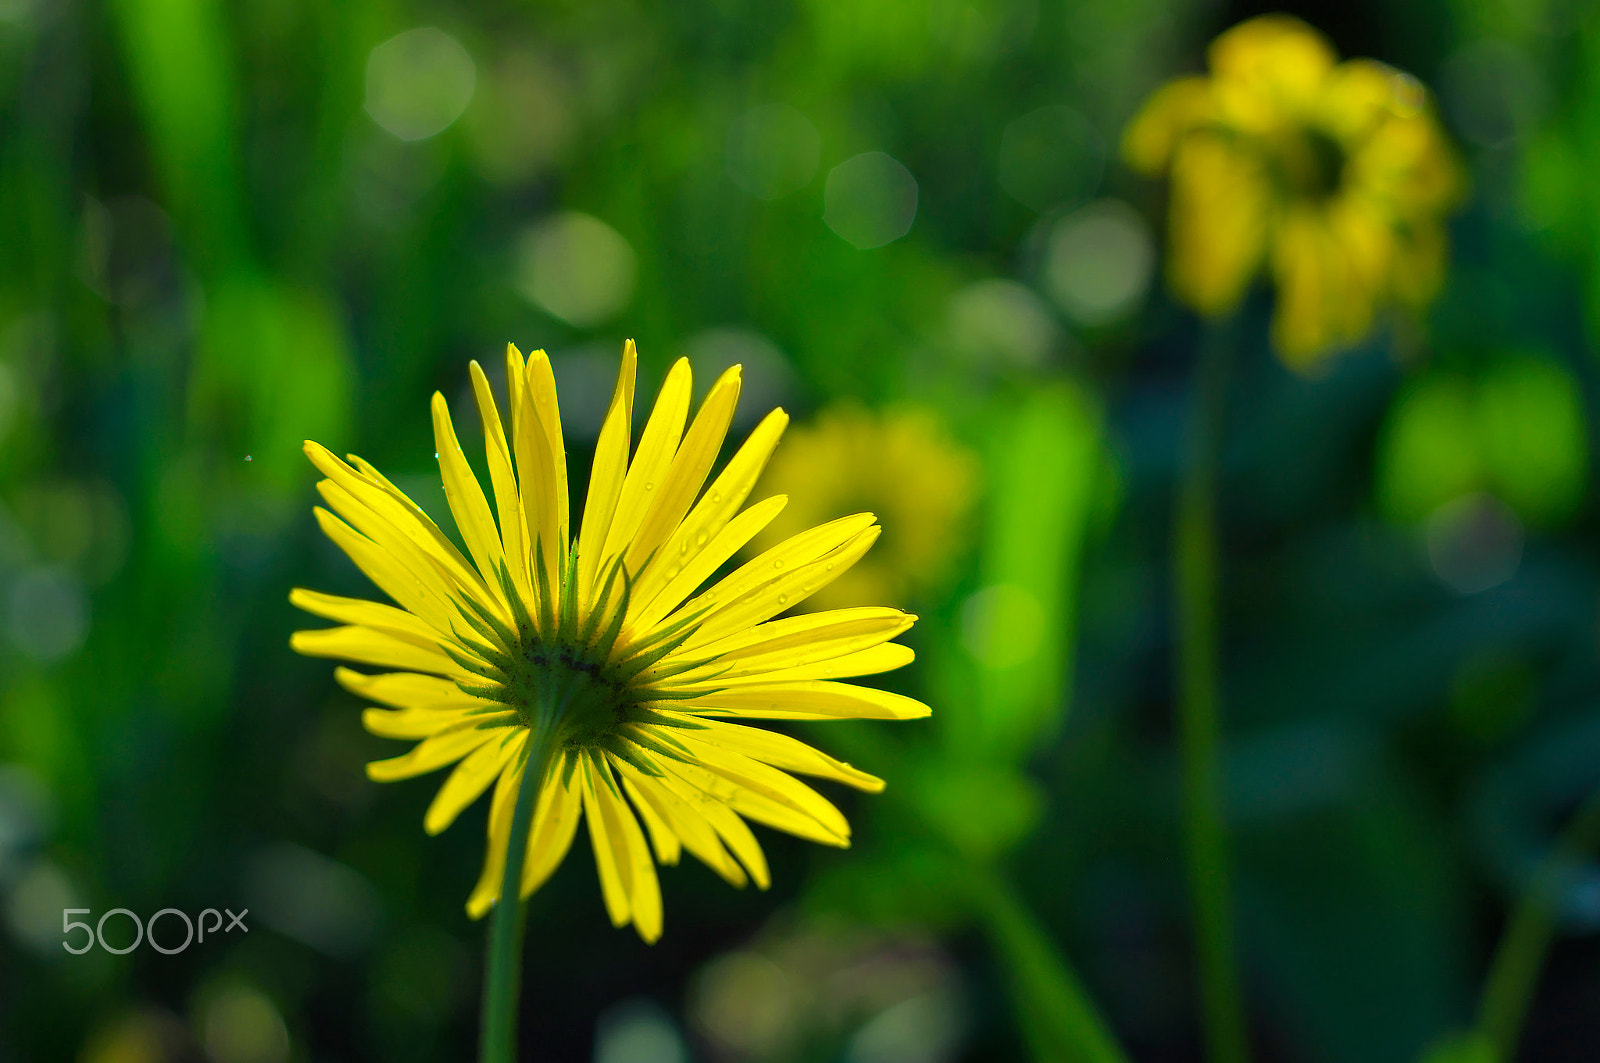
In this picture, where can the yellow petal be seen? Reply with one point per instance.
(542, 393)
(667, 846)
(1420, 254)
(541, 461)
(419, 577)
(872, 661)
(610, 854)
(1218, 220)
(465, 496)
(686, 822)
(363, 644)
(501, 809)
(795, 551)
(703, 526)
(806, 639)
(690, 466)
(409, 690)
(754, 791)
(633, 858)
(373, 491)
(369, 614)
(555, 824)
(606, 477)
(420, 590)
(883, 658)
(410, 723)
(1170, 113)
(701, 564)
(507, 500)
(813, 700)
(1277, 57)
(790, 754)
(469, 779)
(794, 575)
(1303, 267)
(647, 473)
(726, 823)
(433, 753)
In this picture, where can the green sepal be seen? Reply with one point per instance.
(492, 656)
(603, 769)
(547, 616)
(487, 671)
(620, 747)
(495, 693)
(662, 745)
(643, 714)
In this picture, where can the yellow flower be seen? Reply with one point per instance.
(605, 637)
(902, 464)
(1335, 175)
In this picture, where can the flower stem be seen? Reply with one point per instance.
(1195, 566)
(503, 977)
(1059, 1019)
(1520, 955)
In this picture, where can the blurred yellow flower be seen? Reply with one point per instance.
(593, 653)
(902, 464)
(1335, 175)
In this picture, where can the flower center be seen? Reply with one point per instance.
(1309, 162)
(567, 670)
(589, 698)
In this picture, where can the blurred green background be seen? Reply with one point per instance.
(227, 227)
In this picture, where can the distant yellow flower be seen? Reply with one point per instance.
(903, 464)
(604, 640)
(1336, 175)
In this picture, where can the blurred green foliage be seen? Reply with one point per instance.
(227, 227)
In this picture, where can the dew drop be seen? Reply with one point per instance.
(783, 599)
(650, 485)
(683, 547)
(778, 563)
(716, 496)
(249, 458)
(830, 566)
(700, 540)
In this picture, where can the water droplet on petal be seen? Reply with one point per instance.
(700, 540)
(778, 563)
(830, 566)
(716, 496)
(783, 599)
(650, 485)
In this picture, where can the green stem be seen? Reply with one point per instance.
(1058, 1016)
(1520, 956)
(503, 976)
(1199, 727)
